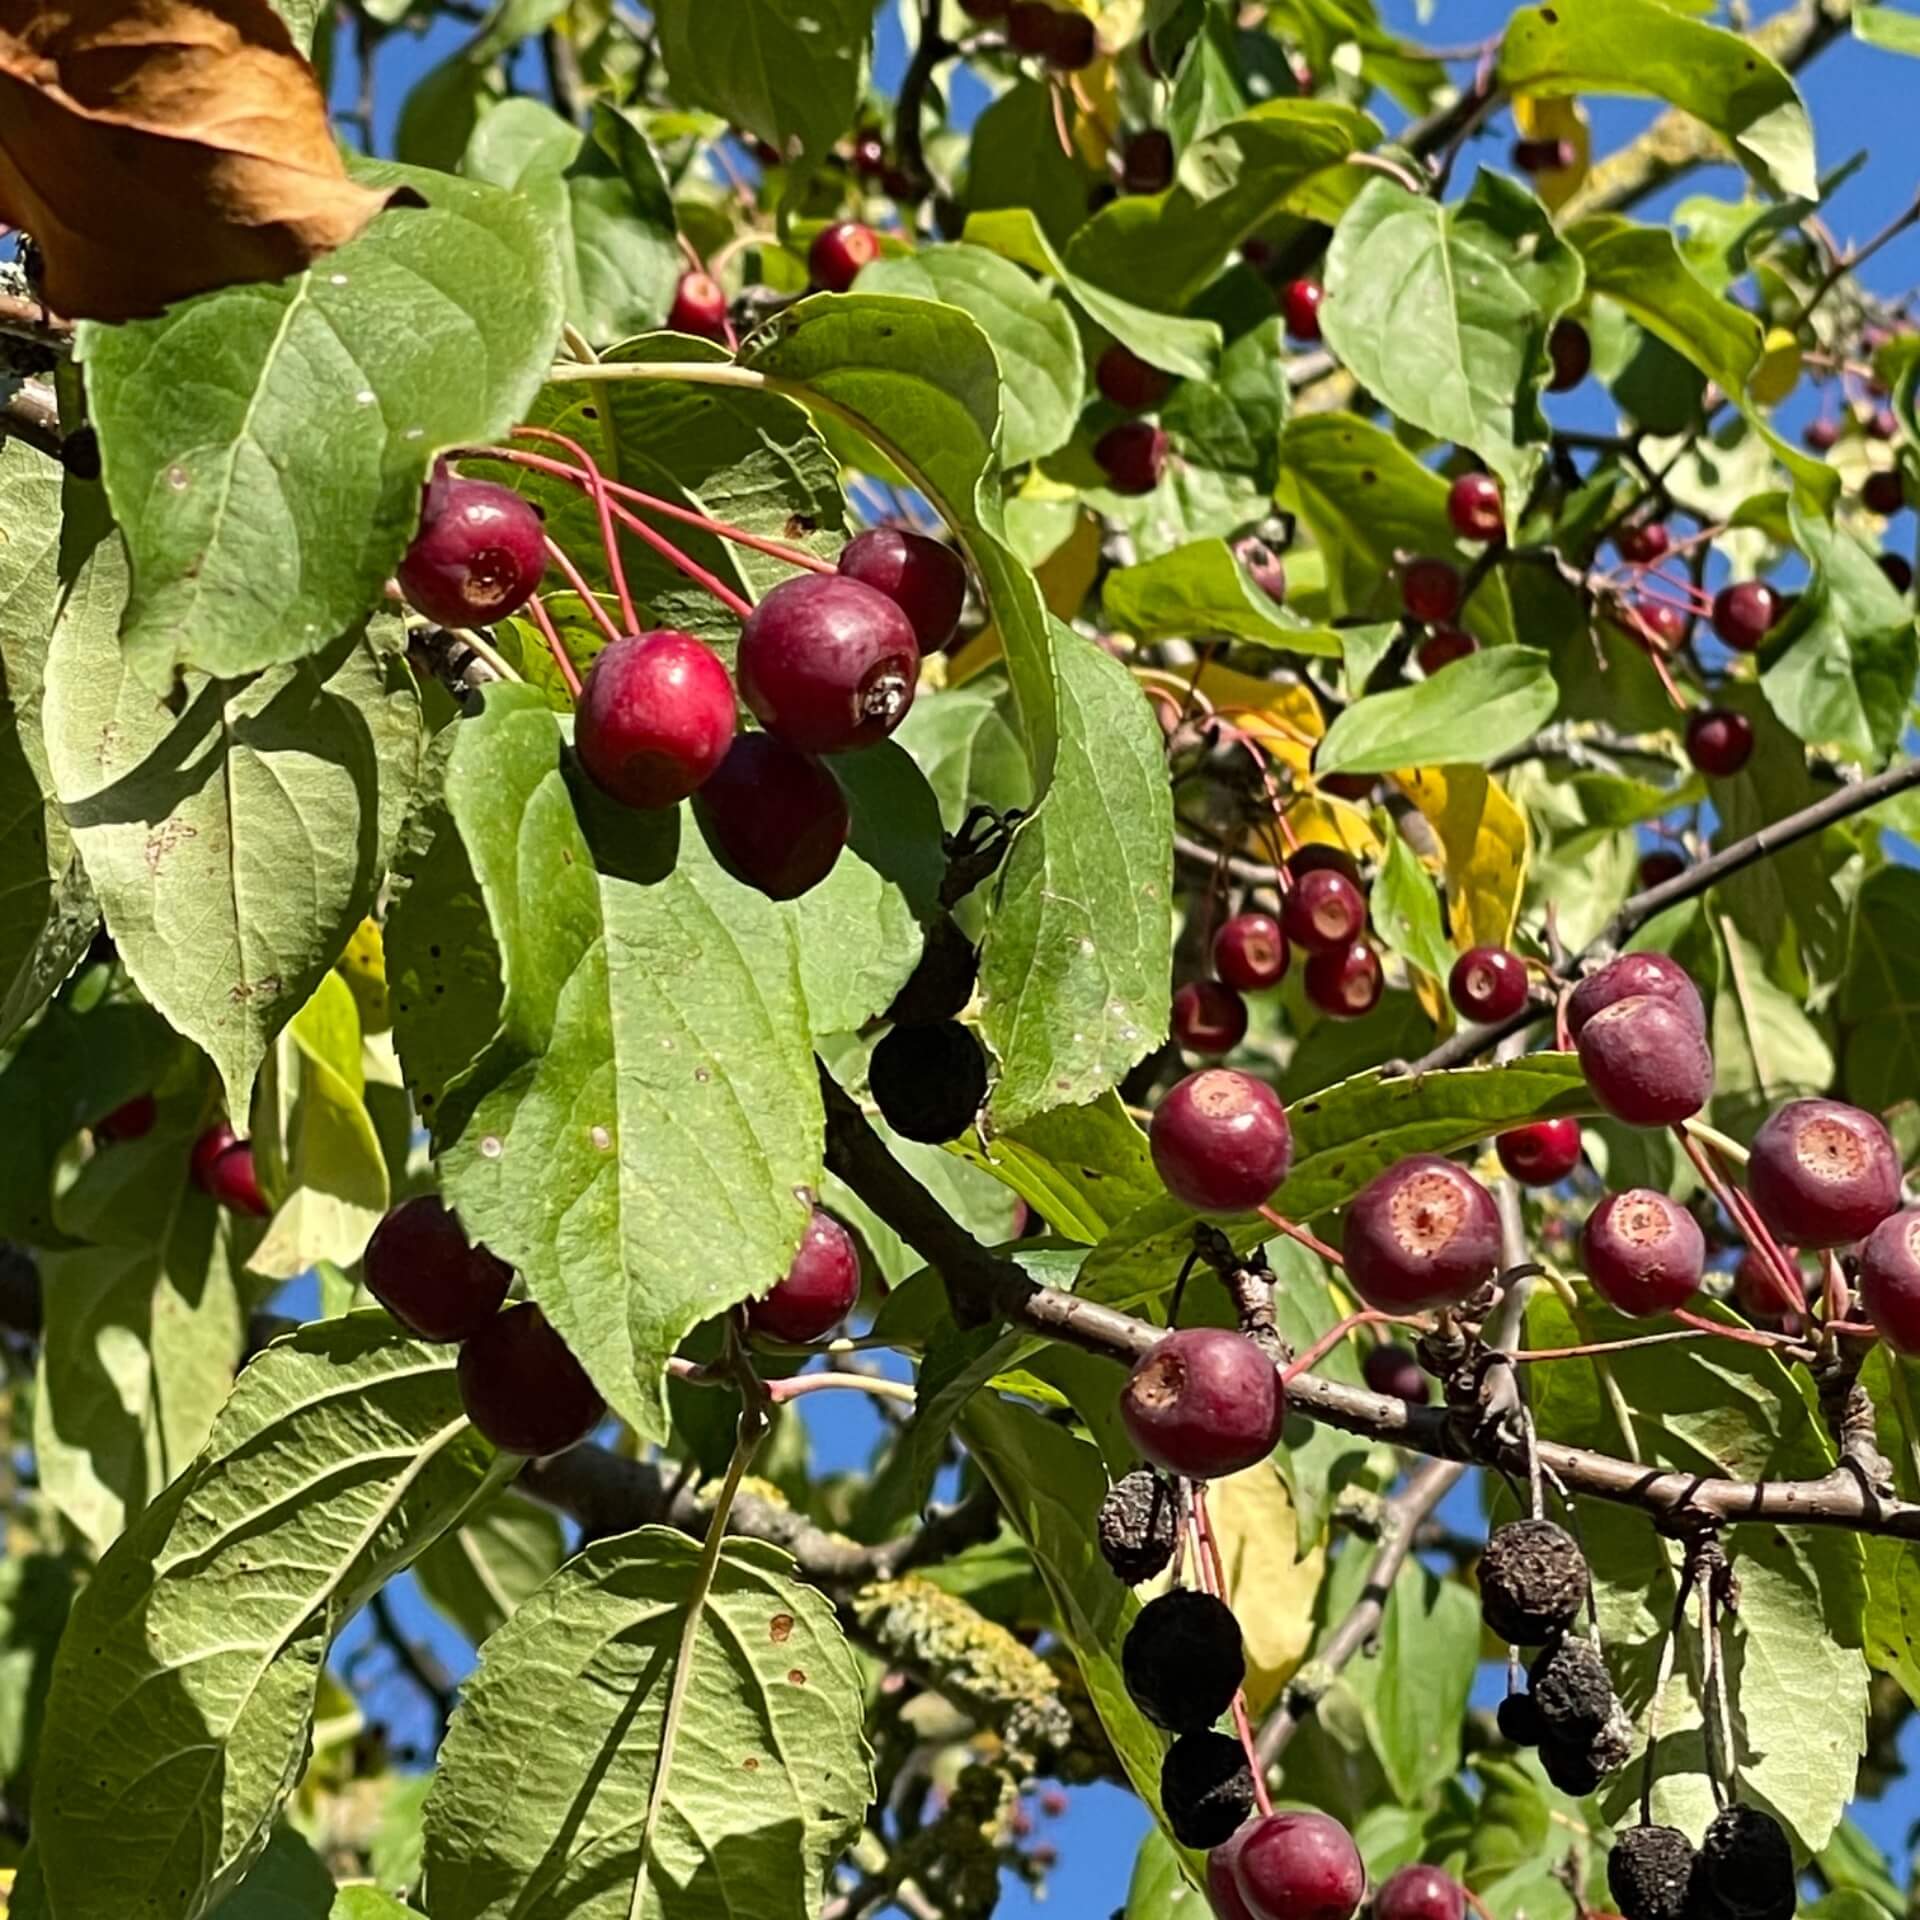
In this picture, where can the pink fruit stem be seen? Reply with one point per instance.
(1753, 1230)
(1312, 1242)
(598, 488)
(577, 581)
(1339, 1331)
(1208, 1557)
(561, 658)
(1600, 1349)
(685, 563)
(1839, 1300)
(1747, 1336)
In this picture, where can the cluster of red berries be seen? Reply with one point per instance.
(1056, 36)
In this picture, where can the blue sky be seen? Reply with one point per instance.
(1860, 100)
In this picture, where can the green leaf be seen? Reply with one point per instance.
(1464, 715)
(442, 108)
(1201, 588)
(1794, 1658)
(367, 1903)
(1074, 970)
(1081, 1169)
(1893, 1578)
(791, 75)
(287, 1883)
(1016, 165)
(768, 1780)
(920, 383)
(1315, 1460)
(1175, 344)
(1032, 335)
(1231, 423)
(968, 752)
(1642, 47)
(264, 446)
(1888, 27)
(179, 1715)
(1160, 249)
(480, 1572)
(1160, 1889)
(1406, 910)
(1443, 312)
(36, 1591)
(1765, 1047)
(1880, 991)
(603, 199)
(629, 1113)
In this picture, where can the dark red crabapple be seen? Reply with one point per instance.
(1632, 974)
(870, 156)
(1643, 1252)
(819, 1289)
(1324, 911)
(208, 1148)
(1146, 162)
(234, 1181)
(923, 577)
(1659, 625)
(1660, 866)
(1883, 491)
(479, 554)
(1346, 983)
(1647, 1061)
(1430, 590)
(1395, 1372)
(827, 665)
(1719, 741)
(839, 252)
(1542, 1153)
(1073, 44)
(777, 819)
(1822, 1173)
(1899, 571)
(1570, 352)
(1132, 455)
(1475, 507)
(1488, 984)
(1420, 1893)
(1543, 156)
(420, 1267)
(1204, 1402)
(1881, 425)
(522, 1387)
(1130, 382)
(1300, 304)
(1745, 613)
(1443, 647)
(1321, 856)
(1641, 542)
(1267, 568)
(1821, 436)
(1349, 786)
(699, 307)
(1223, 1890)
(1208, 1017)
(984, 9)
(656, 717)
(1250, 952)
(1756, 1287)
(1890, 1280)
(1300, 1866)
(1423, 1234)
(131, 1120)
(1220, 1141)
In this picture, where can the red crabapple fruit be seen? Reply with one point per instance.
(1823, 1174)
(1220, 1141)
(422, 1269)
(819, 1289)
(1425, 1233)
(1250, 952)
(828, 665)
(1542, 1153)
(1643, 1252)
(1635, 973)
(1647, 1061)
(1300, 1866)
(522, 1387)
(777, 819)
(1344, 984)
(1488, 984)
(1890, 1280)
(839, 252)
(655, 718)
(479, 554)
(1204, 1403)
(923, 577)
(1208, 1017)
(1323, 911)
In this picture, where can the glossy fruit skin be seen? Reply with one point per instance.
(1300, 303)
(1345, 984)
(1658, 867)
(1208, 1017)
(1204, 1402)
(1883, 491)
(1476, 508)
(131, 1120)
(1223, 1890)
(1300, 1866)
(1146, 164)
(1641, 542)
(1821, 436)
(1220, 1141)
(655, 718)
(1321, 856)
(421, 1269)
(1132, 455)
(777, 819)
(1660, 627)
(1570, 352)
(699, 307)
(235, 1183)
(923, 577)
(1128, 381)
(819, 1289)
(1745, 613)
(1425, 1233)
(1443, 647)
(207, 1149)
(1890, 1280)
(1250, 952)
(1646, 1061)
(522, 1387)
(1631, 974)
(839, 252)
(1822, 1173)
(1488, 984)
(479, 554)
(827, 665)
(870, 156)
(1719, 741)
(1643, 1252)
(1269, 571)
(1420, 1893)
(1323, 911)
(1395, 1372)
(1542, 1153)
(1430, 590)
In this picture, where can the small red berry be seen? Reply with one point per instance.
(923, 577)
(1130, 382)
(870, 156)
(1322, 856)
(1883, 491)
(1571, 354)
(1745, 613)
(828, 665)
(1630, 975)
(1475, 507)
(1899, 571)
(522, 1387)
(1822, 1173)
(1396, 1373)
(1543, 156)
(1204, 1403)
(1300, 1866)
(776, 818)
(1220, 1141)
(1643, 1252)
(839, 252)
(655, 718)
(1443, 647)
(1324, 911)
(420, 1267)
(1420, 1893)
(132, 1120)
(1641, 542)
(1659, 625)
(223, 1167)
(1208, 1017)
(479, 554)
(1542, 1153)
(1133, 456)
(699, 307)
(1345, 984)
(1423, 1234)
(1430, 590)
(1719, 741)
(1250, 952)
(1821, 436)
(1660, 866)
(1488, 984)
(1267, 568)
(207, 1149)
(1146, 162)
(1647, 1061)
(1881, 425)
(1223, 1890)
(1890, 1280)
(819, 1289)
(1300, 303)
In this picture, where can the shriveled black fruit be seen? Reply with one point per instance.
(1744, 1870)
(1649, 1871)
(1206, 1789)
(1532, 1582)
(929, 1081)
(1139, 1526)
(1519, 1721)
(1571, 1689)
(942, 983)
(1570, 1768)
(1612, 1746)
(1183, 1660)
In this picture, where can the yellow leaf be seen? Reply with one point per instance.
(364, 968)
(1271, 1592)
(1557, 118)
(1778, 371)
(1484, 836)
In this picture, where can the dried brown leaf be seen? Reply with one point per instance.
(160, 148)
